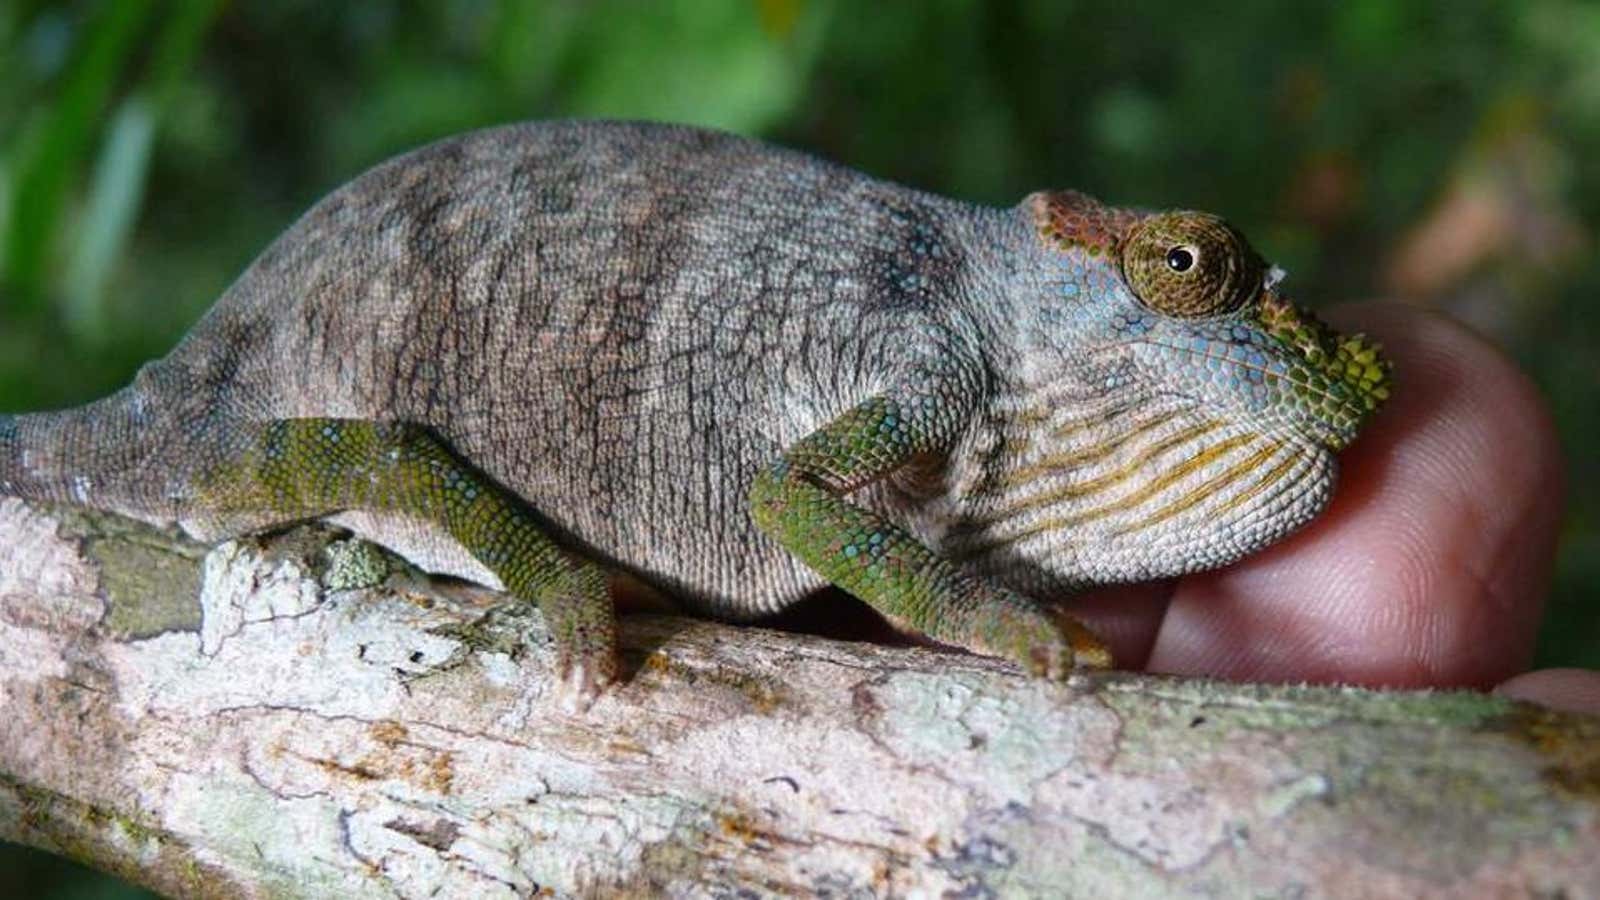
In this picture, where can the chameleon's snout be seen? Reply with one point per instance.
(1336, 380)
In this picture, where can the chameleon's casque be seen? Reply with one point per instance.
(536, 354)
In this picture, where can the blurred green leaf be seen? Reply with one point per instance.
(709, 63)
(44, 170)
(530, 43)
(1128, 122)
(114, 195)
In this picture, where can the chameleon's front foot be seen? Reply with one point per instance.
(801, 502)
(1044, 641)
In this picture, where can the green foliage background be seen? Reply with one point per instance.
(149, 148)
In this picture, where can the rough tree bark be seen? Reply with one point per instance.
(293, 732)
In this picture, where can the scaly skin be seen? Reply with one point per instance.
(536, 354)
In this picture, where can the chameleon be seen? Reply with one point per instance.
(552, 356)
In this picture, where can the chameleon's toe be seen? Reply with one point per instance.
(1088, 651)
(1045, 642)
(1050, 658)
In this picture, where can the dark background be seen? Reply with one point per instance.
(1441, 153)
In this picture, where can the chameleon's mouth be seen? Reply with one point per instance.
(1338, 381)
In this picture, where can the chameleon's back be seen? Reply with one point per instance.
(619, 323)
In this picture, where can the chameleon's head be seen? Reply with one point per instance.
(1167, 410)
(1180, 302)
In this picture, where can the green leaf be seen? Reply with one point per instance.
(43, 177)
(114, 196)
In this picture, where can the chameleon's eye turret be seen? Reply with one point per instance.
(1190, 264)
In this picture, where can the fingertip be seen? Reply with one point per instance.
(1467, 479)
(1460, 406)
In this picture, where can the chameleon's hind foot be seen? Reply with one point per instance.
(310, 467)
(582, 620)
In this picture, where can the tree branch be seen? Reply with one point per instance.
(294, 732)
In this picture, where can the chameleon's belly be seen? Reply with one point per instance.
(430, 549)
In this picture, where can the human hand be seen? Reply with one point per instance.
(1429, 568)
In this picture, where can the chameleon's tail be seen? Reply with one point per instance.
(99, 455)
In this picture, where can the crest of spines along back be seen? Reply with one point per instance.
(1070, 219)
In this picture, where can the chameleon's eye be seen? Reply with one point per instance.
(1190, 264)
